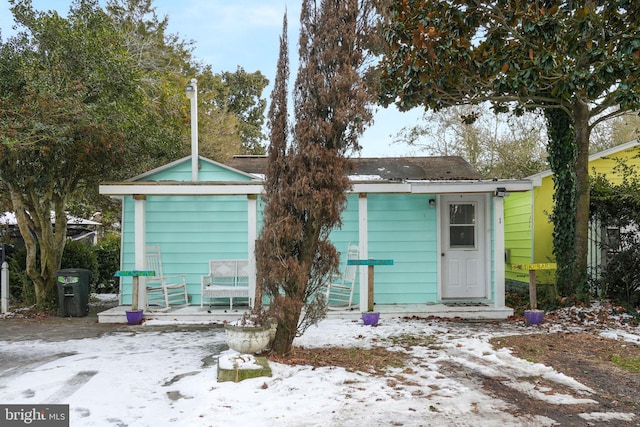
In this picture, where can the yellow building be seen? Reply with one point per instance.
(528, 230)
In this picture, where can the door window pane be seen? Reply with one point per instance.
(462, 225)
(462, 213)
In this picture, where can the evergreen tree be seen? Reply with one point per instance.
(307, 180)
(70, 106)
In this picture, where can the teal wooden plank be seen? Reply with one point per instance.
(402, 228)
(134, 273)
(370, 262)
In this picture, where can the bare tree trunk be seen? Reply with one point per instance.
(290, 311)
(36, 227)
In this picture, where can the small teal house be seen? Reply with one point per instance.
(435, 217)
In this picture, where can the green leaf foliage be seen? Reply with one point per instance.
(80, 255)
(445, 52)
(68, 100)
(70, 115)
(107, 251)
(562, 157)
(616, 207)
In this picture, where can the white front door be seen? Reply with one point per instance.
(463, 247)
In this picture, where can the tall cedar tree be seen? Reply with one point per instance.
(307, 180)
(278, 122)
(579, 58)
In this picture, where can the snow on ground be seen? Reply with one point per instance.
(152, 378)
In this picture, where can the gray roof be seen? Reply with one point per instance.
(384, 168)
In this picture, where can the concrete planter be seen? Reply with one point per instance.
(247, 339)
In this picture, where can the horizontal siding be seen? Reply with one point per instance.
(207, 172)
(607, 165)
(402, 227)
(348, 233)
(543, 227)
(518, 232)
(190, 231)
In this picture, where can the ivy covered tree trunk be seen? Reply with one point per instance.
(569, 161)
(562, 155)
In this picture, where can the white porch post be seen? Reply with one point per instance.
(498, 255)
(139, 201)
(363, 248)
(252, 235)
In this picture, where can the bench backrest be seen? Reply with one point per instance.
(229, 272)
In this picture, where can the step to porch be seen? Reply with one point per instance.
(194, 314)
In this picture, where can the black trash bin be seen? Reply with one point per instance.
(73, 292)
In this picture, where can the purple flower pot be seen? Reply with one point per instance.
(533, 317)
(370, 318)
(134, 317)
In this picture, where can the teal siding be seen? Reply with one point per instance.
(190, 231)
(208, 172)
(348, 233)
(403, 227)
(194, 229)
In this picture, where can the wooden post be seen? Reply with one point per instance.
(5, 287)
(370, 263)
(135, 275)
(533, 298)
(134, 293)
(370, 301)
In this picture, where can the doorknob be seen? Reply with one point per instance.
(442, 254)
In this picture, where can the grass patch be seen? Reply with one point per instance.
(629, 364)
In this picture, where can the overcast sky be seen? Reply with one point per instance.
(245, 33)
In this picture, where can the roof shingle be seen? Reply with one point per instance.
(434, 168)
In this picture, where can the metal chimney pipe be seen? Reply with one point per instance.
(192, 94)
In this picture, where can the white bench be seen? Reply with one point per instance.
(227, 278)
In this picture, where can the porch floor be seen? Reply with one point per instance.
(221, 314)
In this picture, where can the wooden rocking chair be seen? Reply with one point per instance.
(163, 291)
(340, 289)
